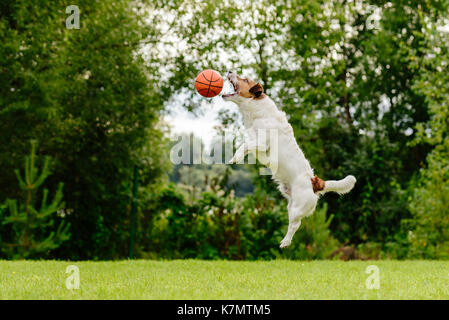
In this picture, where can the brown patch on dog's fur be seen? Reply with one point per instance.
(249, 88)
(256, 90)
(317, 184)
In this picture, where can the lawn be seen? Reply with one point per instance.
(193, 279)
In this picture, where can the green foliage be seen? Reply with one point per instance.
(219, 225)
(344, 74)
(364, 97)
(429, 234)
(92, 101)
(34, 230)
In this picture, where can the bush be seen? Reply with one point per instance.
(219, 225)
(429, 204)
(313, 240)
(430, 236)
(32, 222)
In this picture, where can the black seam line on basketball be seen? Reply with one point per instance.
(207, 84)
(205, 90)
(211, 76)
(202, 73)
(207, 94)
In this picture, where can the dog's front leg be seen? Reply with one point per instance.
(242, 151)
(250, 145)
(240, 154)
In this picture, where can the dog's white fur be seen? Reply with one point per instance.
(292, 171)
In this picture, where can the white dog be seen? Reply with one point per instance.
(291, 170)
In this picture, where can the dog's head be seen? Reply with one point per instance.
(244, 89)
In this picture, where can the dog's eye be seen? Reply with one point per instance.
(246, 80)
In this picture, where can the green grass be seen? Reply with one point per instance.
(192, 279)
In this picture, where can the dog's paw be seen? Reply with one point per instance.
(285, 243)
(235, 159)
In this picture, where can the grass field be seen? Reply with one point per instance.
(192, 279)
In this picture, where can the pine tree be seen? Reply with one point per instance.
(30, 225)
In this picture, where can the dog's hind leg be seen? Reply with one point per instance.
(293, 225)
(302, 204)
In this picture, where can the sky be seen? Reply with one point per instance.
(205, 118)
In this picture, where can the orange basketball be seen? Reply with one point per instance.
(208, 83)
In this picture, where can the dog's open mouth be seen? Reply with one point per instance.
(235, 85)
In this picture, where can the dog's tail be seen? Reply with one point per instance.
(340, 186)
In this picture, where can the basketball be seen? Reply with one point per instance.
(208, 83)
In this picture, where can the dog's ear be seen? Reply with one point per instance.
(256, 90)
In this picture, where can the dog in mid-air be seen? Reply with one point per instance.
(291, 170)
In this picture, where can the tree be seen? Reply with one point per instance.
(93, 101)
(33, 235)
(429, 200)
